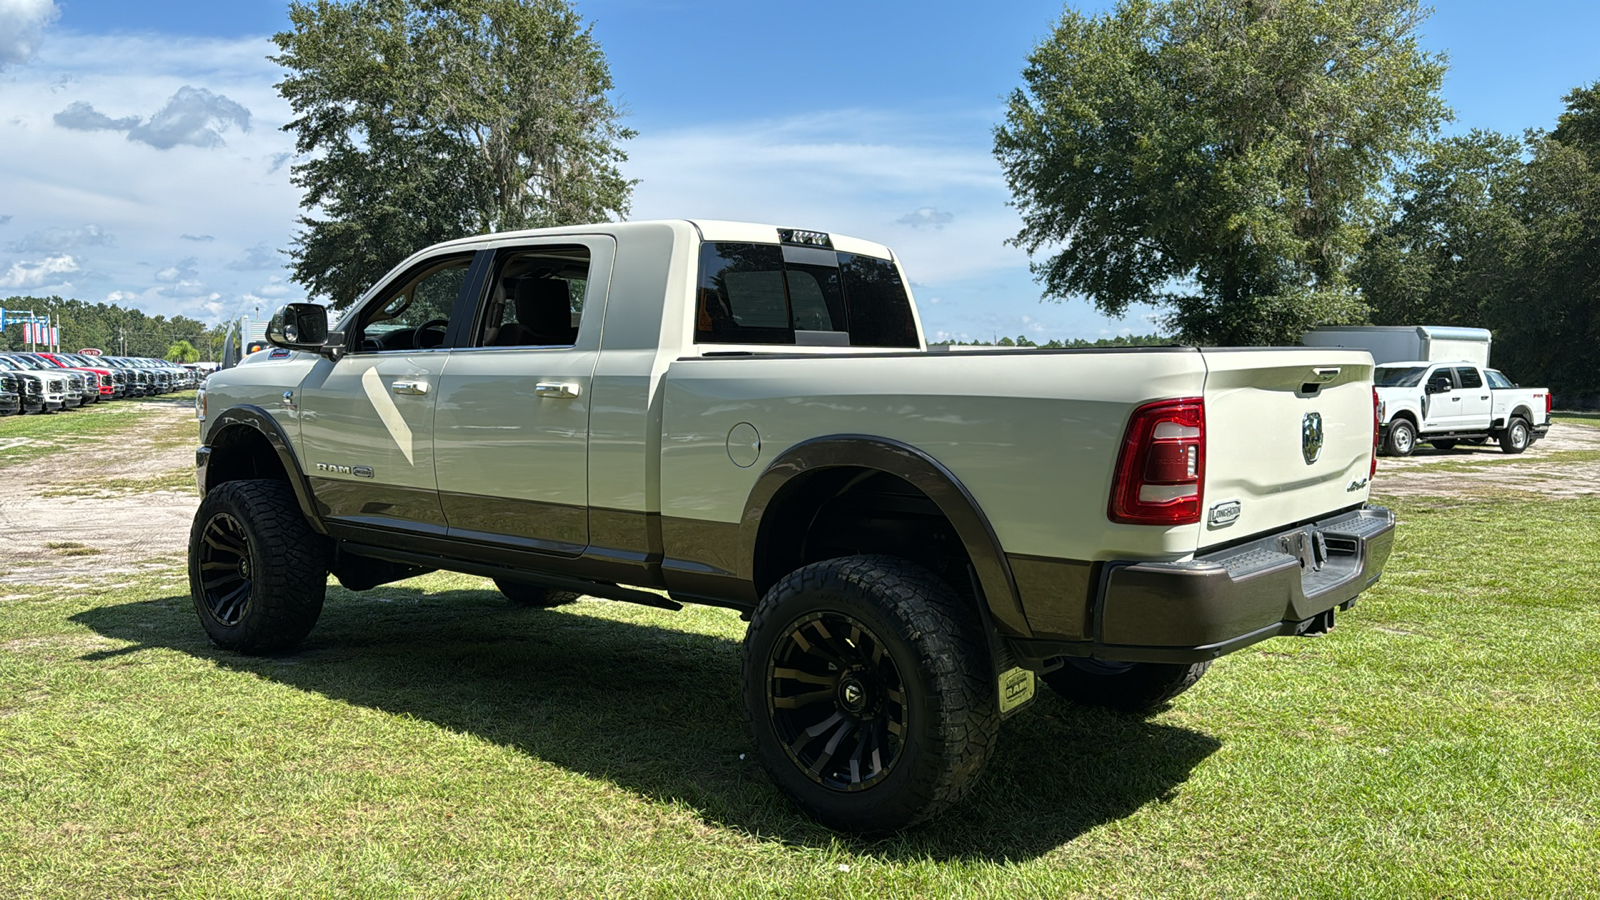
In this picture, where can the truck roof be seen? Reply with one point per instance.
(709, 229)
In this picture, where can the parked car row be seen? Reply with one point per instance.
(43, 382)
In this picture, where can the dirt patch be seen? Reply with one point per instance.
(1565, 463)
(142, 525)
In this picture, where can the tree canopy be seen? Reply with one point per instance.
(1219, 158)
(425, 120)
(112, 328)
(1497, 232)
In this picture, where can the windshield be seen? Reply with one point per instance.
(1398, 376)
(1497, 380)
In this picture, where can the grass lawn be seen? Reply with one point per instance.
(429, 740)
(29, 437)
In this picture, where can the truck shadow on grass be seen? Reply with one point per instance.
(657, 711)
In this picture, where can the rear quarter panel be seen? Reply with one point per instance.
(1032, 435)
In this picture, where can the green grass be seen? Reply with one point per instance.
(1570, 417)
(174, 480)
(429, 740)
(24, 438)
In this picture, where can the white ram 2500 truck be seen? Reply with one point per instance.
(1449, 403)
(748, 416)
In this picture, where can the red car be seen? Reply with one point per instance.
(102, 376)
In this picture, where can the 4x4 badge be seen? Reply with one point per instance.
(1311, 437)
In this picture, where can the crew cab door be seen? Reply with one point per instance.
(512, 433)
(1477, 403)
(1441, 403)
(367, 421)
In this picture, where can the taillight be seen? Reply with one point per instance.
(1549, 403)
(1377, 425)
(1161, 468)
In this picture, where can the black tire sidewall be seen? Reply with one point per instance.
(911, 791)
(1393, 445)
(288, 563)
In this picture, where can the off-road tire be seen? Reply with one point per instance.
(533, 595)
(1517, 435)
(1401, 439)
(1129, 687)
(251, 535)
(913, 626)
(1444, 446)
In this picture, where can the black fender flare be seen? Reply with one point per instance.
(260, 421)
(921, 471)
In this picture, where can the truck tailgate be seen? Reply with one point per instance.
(1288, 438)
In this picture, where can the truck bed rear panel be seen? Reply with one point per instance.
(1288, 437)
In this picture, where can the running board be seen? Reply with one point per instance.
(591, 588)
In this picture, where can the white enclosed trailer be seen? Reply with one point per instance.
(1406, 343)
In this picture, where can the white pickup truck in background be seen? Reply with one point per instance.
(1450, 403)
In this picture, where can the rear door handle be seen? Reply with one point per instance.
(412, 388)
(1455, 399)
(550, 390)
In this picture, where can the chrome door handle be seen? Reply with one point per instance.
(550, 390)
(414, 388)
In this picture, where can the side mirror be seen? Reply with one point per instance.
(299, 326)
(1438, 387)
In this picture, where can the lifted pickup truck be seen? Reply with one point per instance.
(748, 416)
(1450, 403)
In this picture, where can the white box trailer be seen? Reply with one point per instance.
(1406, 343)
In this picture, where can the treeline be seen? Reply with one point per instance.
(112, 328)
(1127, 340)
(1503, 233)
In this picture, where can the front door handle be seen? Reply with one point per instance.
(550, 390)
(412, 388)
(1455, 399)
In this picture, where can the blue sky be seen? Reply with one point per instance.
(142, 162)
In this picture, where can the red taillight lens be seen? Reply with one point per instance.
(1549, 403)
(1377, 426)
(1161, 468)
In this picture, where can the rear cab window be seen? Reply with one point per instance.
(800, 291)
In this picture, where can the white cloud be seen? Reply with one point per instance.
(26, 275)
(204, 204)
(22, 25)
(259, 257)
(193, 116)
(927, 216)
(55, 240)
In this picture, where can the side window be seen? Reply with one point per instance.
(741, 298)
(765, 293)
(535, 298)
(1440, 381)
(1469, 378)
(414, 313)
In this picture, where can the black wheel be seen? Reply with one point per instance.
(534, 595)
(257, 572)
(1130, 687)
(869, 692)
(1515, 438)
(1446, 446)
(1402, 438)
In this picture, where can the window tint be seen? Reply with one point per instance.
(764, 293)
(415, 313)
(741, 298)
(880, 309)
(1468, 378)
(535, 298)
(1398, 376)
(1441, 378)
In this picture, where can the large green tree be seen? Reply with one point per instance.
(1494, 232)
(1219, 158)
(425, 120)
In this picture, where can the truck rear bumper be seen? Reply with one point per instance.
(1283, 584)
